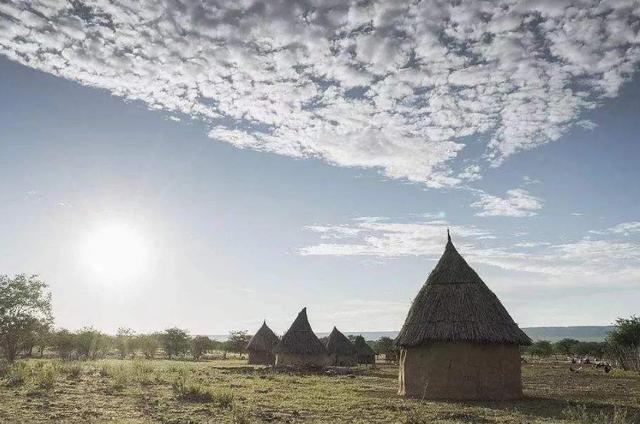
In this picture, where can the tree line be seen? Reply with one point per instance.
(26, 327)
(622, 346)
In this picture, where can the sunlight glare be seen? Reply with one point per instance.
(115, 252)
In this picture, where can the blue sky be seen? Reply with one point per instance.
(249, 209)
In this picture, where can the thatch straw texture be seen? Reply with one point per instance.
(261, 346)
(300, 338)
(366, 355)
(342, 351)
(455, 305)
(264, 340)
(340, 344)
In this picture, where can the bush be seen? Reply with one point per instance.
(16, 374)
(105, 370)
(119, 378)
(191, 392)
(141, 372)
(73, 370)
(45, 377)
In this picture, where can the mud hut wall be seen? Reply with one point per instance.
(461, 371)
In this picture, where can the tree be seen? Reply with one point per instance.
(565, 346)
(24, 305)
(199, 346)
(627, 332)
(90, 343)
(384, 346)
(237, 341)
(175, 342)
(124, 341)
(64, 343)
(541, 348)
(623, 343)
(589, 349)
(148, 344)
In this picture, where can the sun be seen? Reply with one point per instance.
(115, 252)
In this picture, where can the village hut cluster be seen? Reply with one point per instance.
(458, 341)
(299, 347)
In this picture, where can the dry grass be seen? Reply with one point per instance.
(124, 391)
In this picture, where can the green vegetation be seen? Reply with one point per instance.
(229, 391)
(25, 313)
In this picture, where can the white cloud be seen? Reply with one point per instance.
(394, 86)
(381, 238)
(574, 263)
(517, 203)
(624, 228)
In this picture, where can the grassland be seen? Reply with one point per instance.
(136, 391)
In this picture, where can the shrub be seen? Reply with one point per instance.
(223, 398)
(73, 370)
(141, 372)
(191, 392)
(16, 374)
(119, 378)
(105, 370)
(45, 377)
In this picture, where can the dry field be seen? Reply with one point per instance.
(125, 391)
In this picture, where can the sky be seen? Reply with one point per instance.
(209, 164)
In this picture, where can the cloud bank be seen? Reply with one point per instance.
(605, 261)
(394, 86)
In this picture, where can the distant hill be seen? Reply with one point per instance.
(593, 333)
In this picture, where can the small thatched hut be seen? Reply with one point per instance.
(300, 347)
(458, 341)
(366, 355)
(261, 346)
(342, 352)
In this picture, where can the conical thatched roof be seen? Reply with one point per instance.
(300, 338)
(455, 305)
(339, 344)
(264, 339)
(362, 347)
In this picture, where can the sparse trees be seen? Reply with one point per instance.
(565, 346)
(624, 343)
(64, 343)
(589, 349)
(384, 346)
(199, 346)
(175, 342)
(124, 341)
(24, 305)
(91, 343)
(237, 341)
(541, 349)
(148, 344)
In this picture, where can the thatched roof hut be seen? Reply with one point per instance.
(366, 355)
(341, 351)
(458, 341)
(261, 346)
(299, 346)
